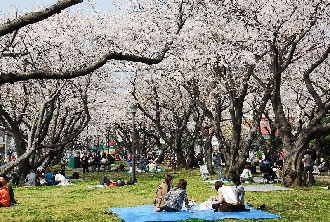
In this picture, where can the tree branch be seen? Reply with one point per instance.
(34, 17)
(44, 74)
(308, 82)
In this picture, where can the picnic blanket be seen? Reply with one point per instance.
(261, 188)
(264, 188)
(213, 181)
(145, 213)
(96, 186)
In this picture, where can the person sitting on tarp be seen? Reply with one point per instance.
(3, 180)
(49, 177)
(41, 177)
(268, 172)
(161, 192)
(152, 167)
(246, 175)
(176, 197)
(61, 180)
(228, 201)
(120, 167)
(31, 179)
(4, 196)
(14, 178)
(142, 166)
(239, 189)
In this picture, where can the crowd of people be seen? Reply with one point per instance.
(170, 198)
(45, 177)
(271, 165)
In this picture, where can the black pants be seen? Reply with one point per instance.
(105, 180)
(308, 170)
(11, 195)
(85, 168)
(226, 207)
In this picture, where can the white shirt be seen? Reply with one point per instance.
(246, 174)
(228, 194)
(59, 178)
(152, 167)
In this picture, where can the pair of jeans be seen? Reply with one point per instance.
(105, 180)
(220, 172)
(309, 170)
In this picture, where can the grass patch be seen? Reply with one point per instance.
(78, 203)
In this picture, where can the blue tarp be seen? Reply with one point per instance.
(145, 213)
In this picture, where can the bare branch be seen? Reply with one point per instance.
(308, 82)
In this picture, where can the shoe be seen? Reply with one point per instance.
(249, 204)
(261, 207)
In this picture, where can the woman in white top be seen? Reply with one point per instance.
(228, 199)
(246, 174)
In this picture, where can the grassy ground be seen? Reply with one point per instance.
(78, 203)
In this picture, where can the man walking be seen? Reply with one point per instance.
(308, 168)
(219, 161)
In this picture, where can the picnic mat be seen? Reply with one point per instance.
(261, 188)
(145, 213)
(213, 181)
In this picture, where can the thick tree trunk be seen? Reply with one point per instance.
(190, 158)
(180, 161)
(292, 166)
(236, 165)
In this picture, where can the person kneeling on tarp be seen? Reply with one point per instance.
(4, 196)
(228, 201)
(161, 193)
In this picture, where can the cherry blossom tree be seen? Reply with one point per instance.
(41, 121)
(277, 47)
(108, 38)
(47, 44)
(299, 56)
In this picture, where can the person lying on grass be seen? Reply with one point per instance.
(108, 182)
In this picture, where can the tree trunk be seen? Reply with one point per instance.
(292, 165)
(190, 159)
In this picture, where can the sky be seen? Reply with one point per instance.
(26, 5)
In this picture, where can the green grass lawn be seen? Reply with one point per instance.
(79, 203)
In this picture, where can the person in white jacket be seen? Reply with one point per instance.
(246, 174)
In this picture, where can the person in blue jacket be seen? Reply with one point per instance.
(49, 177)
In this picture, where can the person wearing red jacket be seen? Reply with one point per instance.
(4, 180)
(4, 196)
